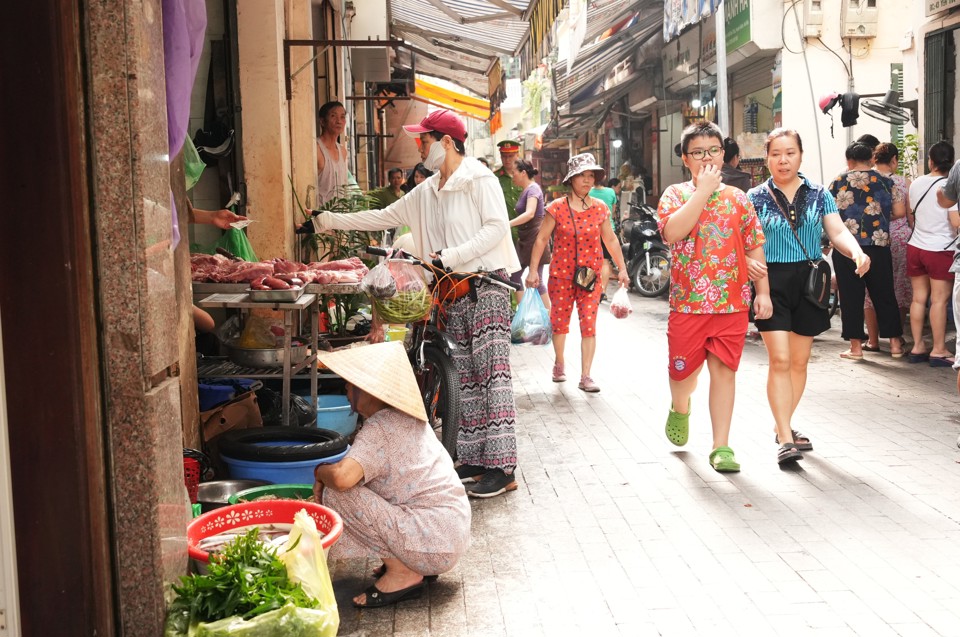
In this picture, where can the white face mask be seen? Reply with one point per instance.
(435, 156)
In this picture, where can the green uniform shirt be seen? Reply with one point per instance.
(383, 197)
(511, 194)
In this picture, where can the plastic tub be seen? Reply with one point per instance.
(298, 472)
(278, 491)
(395, 333)
(248, 514)
(334, 413)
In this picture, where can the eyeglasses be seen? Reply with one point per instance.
(700, 153)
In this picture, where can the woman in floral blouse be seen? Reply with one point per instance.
(867, 202)
(578, 223)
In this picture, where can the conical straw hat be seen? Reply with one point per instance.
(381, 370)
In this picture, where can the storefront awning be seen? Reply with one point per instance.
(461, 41)
(597, 59)
(475, 107)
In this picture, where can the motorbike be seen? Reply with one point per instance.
(647, 256)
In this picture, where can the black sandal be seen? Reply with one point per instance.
(801, 446)
(787, 454)
(378, 599)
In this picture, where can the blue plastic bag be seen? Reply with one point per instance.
(531, 323)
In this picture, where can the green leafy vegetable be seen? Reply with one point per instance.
(247, 579)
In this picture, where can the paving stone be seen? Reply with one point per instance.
(614, 531)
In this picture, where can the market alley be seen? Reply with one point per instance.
(614, 531)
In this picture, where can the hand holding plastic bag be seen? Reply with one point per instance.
(620, 304)
(531, 324)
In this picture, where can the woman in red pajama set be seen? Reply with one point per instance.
(578, 223)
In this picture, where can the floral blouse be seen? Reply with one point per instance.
(708, 272)
(584, 249)
(865, 200)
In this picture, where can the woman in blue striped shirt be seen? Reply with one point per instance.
(794, 213)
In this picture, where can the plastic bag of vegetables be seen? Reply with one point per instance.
(412, 299)
(531, 323)
(249, 592)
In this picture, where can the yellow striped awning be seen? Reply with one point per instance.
(475, 107)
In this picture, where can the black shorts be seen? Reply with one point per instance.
(792, 312)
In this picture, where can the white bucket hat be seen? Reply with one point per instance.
(383, 371)
(582, 163)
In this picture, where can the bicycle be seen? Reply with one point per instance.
(431, 349)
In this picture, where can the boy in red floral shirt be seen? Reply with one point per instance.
(713, 229)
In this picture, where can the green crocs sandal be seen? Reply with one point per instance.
(678, 427)
(723, 460)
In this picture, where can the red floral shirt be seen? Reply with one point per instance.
(586, 244)
(708, 272)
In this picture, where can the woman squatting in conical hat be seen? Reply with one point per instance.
(396, 489)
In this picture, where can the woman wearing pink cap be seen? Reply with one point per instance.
(458, 216)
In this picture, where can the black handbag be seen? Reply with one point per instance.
(816, 287)
(583, 277)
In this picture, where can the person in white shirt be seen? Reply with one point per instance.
(930, 257)
(457, 216)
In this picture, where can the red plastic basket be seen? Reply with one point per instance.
(191, 477)
(260, 512)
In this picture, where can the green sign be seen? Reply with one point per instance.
(737, 14)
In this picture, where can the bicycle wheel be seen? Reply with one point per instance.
(440, 388)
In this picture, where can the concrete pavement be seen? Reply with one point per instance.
(614, 531)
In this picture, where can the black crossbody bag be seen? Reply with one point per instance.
(583, 277)
(816, 288)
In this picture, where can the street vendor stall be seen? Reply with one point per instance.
(222, 283)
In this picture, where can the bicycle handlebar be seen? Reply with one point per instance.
(488, 277)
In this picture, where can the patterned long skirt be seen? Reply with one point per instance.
(488, 413)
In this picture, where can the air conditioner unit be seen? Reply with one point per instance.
(812, 18)
(858, 18)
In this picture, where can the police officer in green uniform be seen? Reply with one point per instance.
(509, 151)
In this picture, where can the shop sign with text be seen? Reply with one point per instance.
(936, 6)
(737, 14)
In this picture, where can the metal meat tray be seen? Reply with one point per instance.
(275, 296)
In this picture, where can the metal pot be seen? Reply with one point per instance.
(216, 494)
(270, 357)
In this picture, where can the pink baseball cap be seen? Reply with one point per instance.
(441, 121)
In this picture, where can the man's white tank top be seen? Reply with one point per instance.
(332, 181)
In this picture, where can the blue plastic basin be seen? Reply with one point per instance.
(300, 472)
(334, 413)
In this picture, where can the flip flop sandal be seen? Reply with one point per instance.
(678, 427)
(870, 348)
(923, 357)
(798, 439)
(850, 356)
(941, 361)
(723, 461)
(378, 599)
(382, 569)
(788, 454)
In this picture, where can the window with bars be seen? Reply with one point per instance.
(896, 84)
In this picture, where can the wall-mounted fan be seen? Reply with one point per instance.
(887, 110)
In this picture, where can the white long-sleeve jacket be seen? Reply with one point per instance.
(467, 220)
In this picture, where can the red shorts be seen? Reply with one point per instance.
(935, 265)
(691, 336)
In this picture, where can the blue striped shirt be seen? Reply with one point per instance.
(782, 245)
